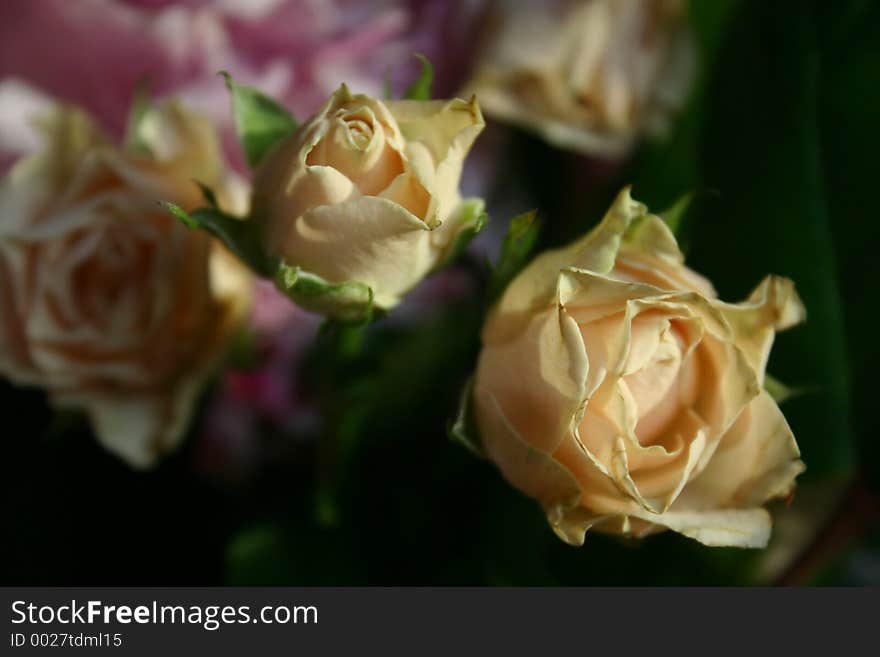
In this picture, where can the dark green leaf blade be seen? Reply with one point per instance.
(238, 235)
(766, 160)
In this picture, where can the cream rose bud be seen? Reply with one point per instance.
(587, 75)
(107, 301)
(614, 387)
(367, 191)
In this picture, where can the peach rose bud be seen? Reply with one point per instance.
(351, 209)
(366, 192)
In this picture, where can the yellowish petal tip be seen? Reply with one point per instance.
(626, 207)
(790, 310)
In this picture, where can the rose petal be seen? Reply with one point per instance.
(756, 460)
(550, 353)
(773, 306)
(369, 240)
(138, 429)
(745, 528)
(530, 469)
(536, 286)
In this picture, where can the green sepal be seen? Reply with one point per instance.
(522, 234)
(239, 235)
(260, 122)
(674, 215)
(421, 88)
(464, 428)
(782, 392)
(472, 221)
(349, 302)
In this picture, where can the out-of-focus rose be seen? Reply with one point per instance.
(367, 191)
(614, 387)
(106, 301)
(587, 75)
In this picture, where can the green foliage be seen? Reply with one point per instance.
(472, 221)
(667, 168)
(239, 235)
(775, 213)
(520, 240)
(350, 302)
(848, 140)
(674, 215)
(208, 194)
(294, 551)
(781, 392)
(260, 121)
(421, 88)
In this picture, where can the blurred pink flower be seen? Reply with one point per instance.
(95, 52)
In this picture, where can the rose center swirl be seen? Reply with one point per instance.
(359, 128)
(660, 377)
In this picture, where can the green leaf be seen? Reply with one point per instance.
(421, 88)
(350, 302)
(849, 80)
(472, 220)
(208, 194)
(260, 122)
(239, 235)
(768, 160)
(346, 340)
(515, 250)
(294, 551)
(336, 451)
(181, 214)
(464, 429)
